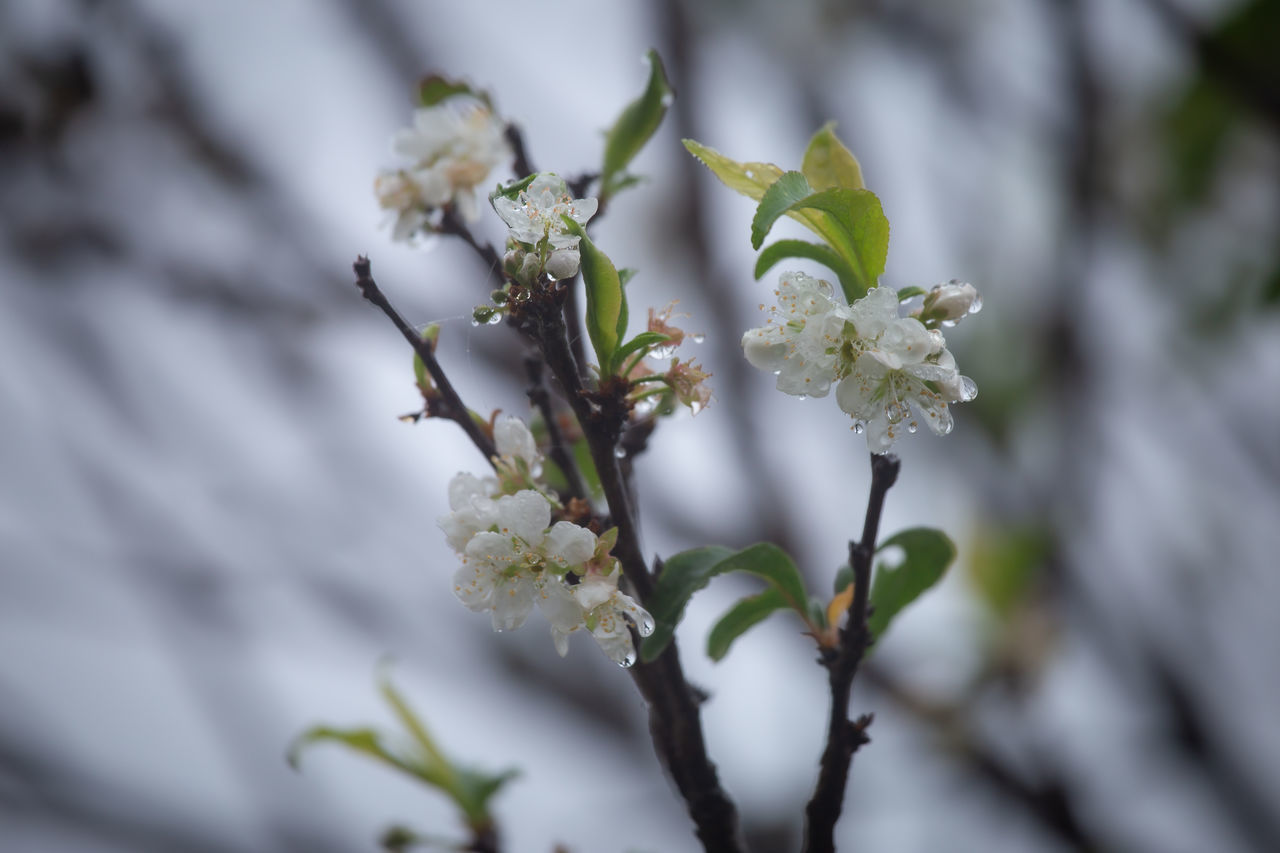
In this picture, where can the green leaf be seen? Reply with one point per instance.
(851, 221)
(750, 179)
(626, 274)
(413, 725)
(785, 193)
(689, 571)
(828, 163)
(644, 339)
(606, 301)
(363, 740)
(436, 88)
(512, 190)
(682, 575)
(634, 127)
(844, 577)
(740, 618)
(927, 552)
(824, 255)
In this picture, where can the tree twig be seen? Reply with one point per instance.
(674, 720)
(845, 736)
(453, 408)
(558, 450)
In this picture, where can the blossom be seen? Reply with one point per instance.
(688, 381)
(513, 557)
(886, 365)
(534, 218)
(801, 341)
(453, 146)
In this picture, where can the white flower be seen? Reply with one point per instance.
(885, 364)
(595, 603)
(801, 341)
(897, 363)
(950, 302)
(453, 146)
(534, 218)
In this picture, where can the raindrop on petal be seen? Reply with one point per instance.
(968, 389)
(628, 661)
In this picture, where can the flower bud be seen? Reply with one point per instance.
(951, 301)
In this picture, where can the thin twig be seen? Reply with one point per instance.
(454, 409)
(843, 736)
(558, 450)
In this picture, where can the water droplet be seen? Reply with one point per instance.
(912, 427)
(948, 324)
(475, 322)
(495, 319)
(968, 389)
(802, 396)
(695, 407)
(698, 338)
(645, 624)
(628, 661)
(667, 99)
(662, 352)
(858, 427)
(619, 453)
(897, 411)
(976, 305)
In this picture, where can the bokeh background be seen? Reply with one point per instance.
(212, 524)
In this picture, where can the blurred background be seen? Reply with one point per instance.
(213, 525)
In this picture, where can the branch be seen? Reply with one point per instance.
(674, 720)
(453, 407)
(844, 737)
(558, 450)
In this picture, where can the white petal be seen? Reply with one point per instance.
(563, 263)
(765, 348)
(525, 514)
(512, 438)
(559, 606)
(569, 544)
(512, 600)
(494, 549)
(473, 584)
(595, 589)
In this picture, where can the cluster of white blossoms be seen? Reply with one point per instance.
(539, 239)
(454, 145)
(885, 364)
(513, 557)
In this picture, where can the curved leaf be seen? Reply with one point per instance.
(682, 575)
(644, 339)
(927, 552)
(637, 123)
(824, 255)
(738, 619)
(750, 179)
(606, 301)
(689, 571)
(784, 194)
(828, 163)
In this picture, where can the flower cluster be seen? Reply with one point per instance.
(885, 364)
(513, 557)
(454, 146)
(539, 241)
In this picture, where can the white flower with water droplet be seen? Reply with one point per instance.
(596, 604)
(950, 303)
(885, 364)
(505, 566)
(534, 218)
(801, 341)
(453, 146)
(895, 364)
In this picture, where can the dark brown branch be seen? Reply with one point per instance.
(521, 165)
(453, 407)
(451, 225)
(558, 450)
(674, 720)
(843, 736)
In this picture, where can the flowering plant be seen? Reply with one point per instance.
(554, 527)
